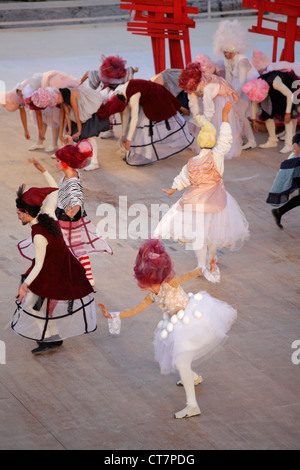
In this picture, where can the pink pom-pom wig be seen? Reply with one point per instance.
(256, 90)
(260, 60)
(45, 97)
(153, 264)
(190, 77)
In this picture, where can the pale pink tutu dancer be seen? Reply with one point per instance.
(206, 217)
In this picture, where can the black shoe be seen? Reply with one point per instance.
(46, 346)
(277, 217)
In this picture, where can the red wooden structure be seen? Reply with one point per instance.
(163, 20)
(288, 30)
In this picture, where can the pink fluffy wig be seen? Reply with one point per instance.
(190, 77)
(153, 264)
(75, 156)
(256, 90)
(206, 64)
(45, 97)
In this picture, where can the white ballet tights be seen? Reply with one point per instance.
(205, 255)
(187, 377)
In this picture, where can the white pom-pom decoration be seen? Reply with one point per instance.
(174, 319)
(197, 314)
(185, 320)
(160, 324)
(180, 314)
(198, 296)
(163, 334)
(190, 294)
(170, 327)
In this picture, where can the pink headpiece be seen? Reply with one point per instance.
(256, 90)
(153, 264)
(260, 60)
(45, 97)
(207, 65)
(12, 101)
(190, 77)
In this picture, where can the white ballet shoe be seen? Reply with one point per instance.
(269, 144)
(286, 149)
(187, 412)
(36, 147)
(198, 380)
(51, 148)
(107, 134)
(249, 145)
(214, 276)
(91, 166)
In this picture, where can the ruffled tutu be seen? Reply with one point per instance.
(43, 319)
(193, 333)
(227, 228)
(154, 141)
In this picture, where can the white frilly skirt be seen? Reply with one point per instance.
(193, 333)
(227, 228)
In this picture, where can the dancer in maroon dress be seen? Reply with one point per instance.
(55, 298)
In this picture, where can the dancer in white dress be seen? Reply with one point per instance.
(193, 326)
(231, 40)
(206, 217)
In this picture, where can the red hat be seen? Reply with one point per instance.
(33, 198)
(115, 104)
(75, 156)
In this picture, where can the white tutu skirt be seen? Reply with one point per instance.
(159, 141)
(193, 333)
(43, 319)
(228, 228)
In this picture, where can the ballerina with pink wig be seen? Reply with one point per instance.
(192, 327)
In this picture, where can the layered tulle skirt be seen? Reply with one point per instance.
(227, 228)
(193, 333)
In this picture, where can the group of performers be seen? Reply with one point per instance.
(204, 106)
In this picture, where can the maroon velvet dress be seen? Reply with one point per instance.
(157, 102)
(60, 303)
(161, 131)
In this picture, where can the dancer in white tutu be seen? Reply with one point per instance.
(193, 326)
(231, 40)
(206, 217)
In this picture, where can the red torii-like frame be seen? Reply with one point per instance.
(163, 19)
(289, 31)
